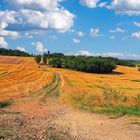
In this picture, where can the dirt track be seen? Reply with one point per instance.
(43, 116)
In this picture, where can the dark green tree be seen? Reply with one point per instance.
(38, 59)
(45, 58)
(56, 62)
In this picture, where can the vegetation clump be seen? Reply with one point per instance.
(56, 62)
(38, 59)
(111, 101)
(4, 104)
(45, 58)
(138, 67)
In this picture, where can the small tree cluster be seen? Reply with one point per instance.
(89, 64)
(85, 64)
(56, 62)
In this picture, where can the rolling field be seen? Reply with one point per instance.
(43, 99)
(20, 77)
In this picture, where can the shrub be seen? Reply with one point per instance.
(4, 104)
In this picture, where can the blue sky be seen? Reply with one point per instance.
(91, 27)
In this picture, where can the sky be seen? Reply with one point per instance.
(72, 27)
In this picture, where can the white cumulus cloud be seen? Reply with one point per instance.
(90, 3)
(3, 43)
(39, 47)
(136, 35)
(28, 15)
(129, 7)
(12, 34)
(21, 49)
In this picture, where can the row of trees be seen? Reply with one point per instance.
(78, 63)
(10, 52)
(82, 63)
(129, 63)
(89, 64)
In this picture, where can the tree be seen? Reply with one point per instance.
(56, 62)
(45, 58)
(138, 67)
(38, 59)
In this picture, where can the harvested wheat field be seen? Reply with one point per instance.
(43, 103)
(20, 76)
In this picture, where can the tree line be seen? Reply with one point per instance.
(11, 52)
(83, 63)
(78, 63)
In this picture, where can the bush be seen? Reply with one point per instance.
(4, 104)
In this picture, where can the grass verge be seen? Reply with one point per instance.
(110, 102)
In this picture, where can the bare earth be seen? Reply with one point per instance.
(43, 116)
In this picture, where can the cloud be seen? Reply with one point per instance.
(28, 15)
(94, 32)
(3, 25)
(136, 35)
(3, 43)
(80, 34)
(128, 7)
(34, 4)
(39, 47)
(76, 41)
(83, 52)
(12, 34)
(108, 54)
(121, 55)
(21, 49)
(117, 30)
(89, 3)
(136, 24)
(102, 4)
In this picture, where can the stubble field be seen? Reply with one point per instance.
(42, 100)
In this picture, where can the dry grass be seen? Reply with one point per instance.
(99, 91)
(122, 87)
(20, 79)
